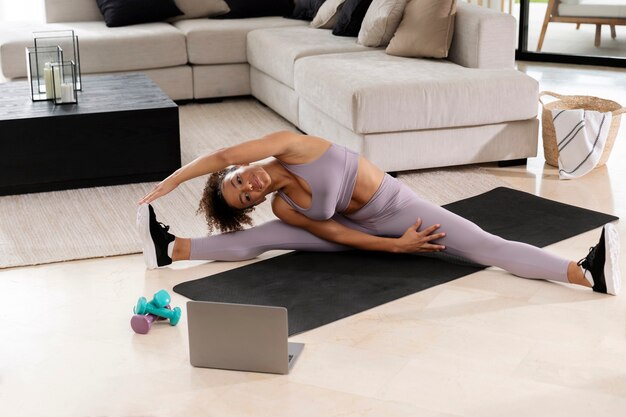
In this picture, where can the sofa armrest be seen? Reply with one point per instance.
(483, 38)
(72, 11)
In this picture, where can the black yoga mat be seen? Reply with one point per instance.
(320, 287)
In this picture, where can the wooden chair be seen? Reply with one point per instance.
(552, 15)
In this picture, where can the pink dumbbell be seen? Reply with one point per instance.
(141, 323)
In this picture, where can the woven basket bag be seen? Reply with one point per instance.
(550, 148)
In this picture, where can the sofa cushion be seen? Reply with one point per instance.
(425, 30)
(87, 10)
(131, 12)
(72, 11)
(217, 41)
(306, 9)
(193, 9)
(102, 49)
(327, 14)
(274, 51)
(356, 89)
(257, 8)
(380, 22)
(351, 17)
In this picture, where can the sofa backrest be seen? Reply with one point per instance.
(72, 11)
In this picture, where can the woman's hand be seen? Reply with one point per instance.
(413, 241)
(159, 190)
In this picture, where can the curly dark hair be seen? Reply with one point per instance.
(218, 214)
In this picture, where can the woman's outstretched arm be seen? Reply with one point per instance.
(275, 144)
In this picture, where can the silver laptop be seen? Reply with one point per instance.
(240, 337)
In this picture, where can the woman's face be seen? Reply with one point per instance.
(246, 186)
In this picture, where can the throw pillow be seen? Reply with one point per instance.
(327, 15)
(194, 9)
(425, 30)
(130, 12)
(351, 17)
(380, 22)
(257, 8)
(306, 9)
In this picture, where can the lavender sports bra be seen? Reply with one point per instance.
(331, 178)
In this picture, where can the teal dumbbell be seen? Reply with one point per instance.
(157, 307)
(145, 307)
(161, 299)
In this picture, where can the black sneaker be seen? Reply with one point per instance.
(155, 237)
(602, 262)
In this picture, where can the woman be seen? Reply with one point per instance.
(329, 198)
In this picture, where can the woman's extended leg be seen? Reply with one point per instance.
(395, 207)
(256, 240)
(467, 240)
(161, 247)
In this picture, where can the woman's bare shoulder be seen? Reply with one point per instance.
(304, 149)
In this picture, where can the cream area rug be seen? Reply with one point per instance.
(97, 222)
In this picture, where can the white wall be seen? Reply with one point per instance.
(21, 11)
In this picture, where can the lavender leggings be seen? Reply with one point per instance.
(392, 209)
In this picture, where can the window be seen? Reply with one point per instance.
(22, 11)
(589, 32)
(573, 31)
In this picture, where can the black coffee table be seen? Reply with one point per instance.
(124, 129)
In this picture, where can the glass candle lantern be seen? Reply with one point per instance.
(64, 82)
(67, 41)
(39, 64)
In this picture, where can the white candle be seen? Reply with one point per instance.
(67, 93)
(47, 77)
(57, 81)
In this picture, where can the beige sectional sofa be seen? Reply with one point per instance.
(195, 58)
(402, 113)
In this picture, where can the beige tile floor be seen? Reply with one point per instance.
(488, 344)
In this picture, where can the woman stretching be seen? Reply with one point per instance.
(329, 198)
